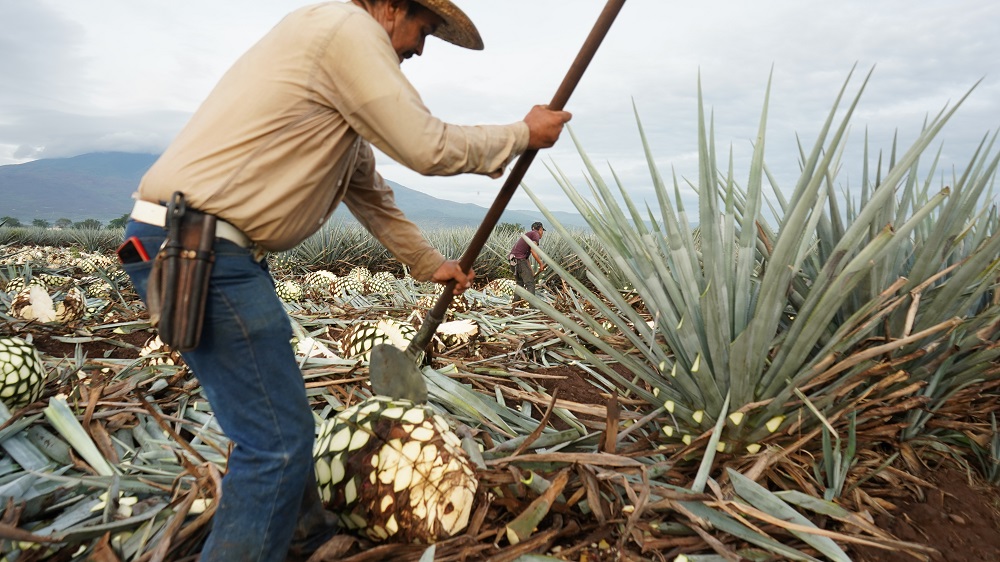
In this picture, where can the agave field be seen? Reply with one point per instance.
(811, 374)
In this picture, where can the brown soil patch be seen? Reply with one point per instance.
(571, 385)
(107, 344)
(958, 518)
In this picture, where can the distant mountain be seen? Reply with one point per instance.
(89, 186)
(98, 186)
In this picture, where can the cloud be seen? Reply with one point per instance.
(50, 133)
(39, 61)
(112, 75)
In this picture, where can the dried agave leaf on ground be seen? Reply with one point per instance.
(767, 502)
(18, 447)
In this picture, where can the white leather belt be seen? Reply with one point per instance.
(156, 215)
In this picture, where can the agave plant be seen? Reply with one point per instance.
(756, 329)
(326, 245)
(97, 239)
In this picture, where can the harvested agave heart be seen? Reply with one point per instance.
(456, 332)
(323, 281)
(360, 274)
(500, 287)
(348, 285)
(358, 340)
(35, 302)
(22, 374)
(381, 283)
(394, 470)
(289, 291)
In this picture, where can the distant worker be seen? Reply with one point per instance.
(523, 272)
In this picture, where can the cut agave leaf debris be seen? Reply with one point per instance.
(65, 422)
(761, 498)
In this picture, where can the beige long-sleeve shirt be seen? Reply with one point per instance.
(284, 137)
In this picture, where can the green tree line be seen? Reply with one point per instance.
(64, 223)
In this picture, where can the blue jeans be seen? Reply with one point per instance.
(247, 368)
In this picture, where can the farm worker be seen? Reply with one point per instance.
(284, 137)
(524, 275)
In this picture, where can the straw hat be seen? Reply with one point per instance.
(457, 28)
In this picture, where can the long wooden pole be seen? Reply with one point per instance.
(517, 173)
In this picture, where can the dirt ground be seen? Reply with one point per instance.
(959, 517)
(109, 345)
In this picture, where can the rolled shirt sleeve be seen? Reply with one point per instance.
(362, 80)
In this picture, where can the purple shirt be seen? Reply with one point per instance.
(521, 249)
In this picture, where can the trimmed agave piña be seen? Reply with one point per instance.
(393, 469)
(348, 285)
(289, 290)
(321, 281)
(98, 288)
(456, 332)
(94, 262)
(56, 281)
(35, 302)
(361, 274)
(18, 284)
(381, 283)
(501, 287)
(22, 373)
(458, 303)
(158, 353)
(358, 340)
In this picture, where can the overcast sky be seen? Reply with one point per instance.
(99, 75)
